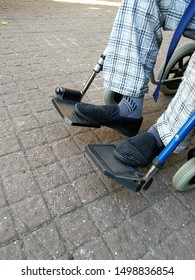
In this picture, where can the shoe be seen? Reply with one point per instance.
(108, 115)
(138, 151)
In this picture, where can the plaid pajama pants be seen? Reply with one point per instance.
(179, 109)
(131, 54)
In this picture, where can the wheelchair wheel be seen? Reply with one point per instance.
(176, 68)
(111, 97)
(184, 178)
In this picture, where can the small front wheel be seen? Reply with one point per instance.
(184, 178)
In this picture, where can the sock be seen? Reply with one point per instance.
(155, 133)
(131, 107)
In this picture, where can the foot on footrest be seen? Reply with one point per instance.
(103, 157)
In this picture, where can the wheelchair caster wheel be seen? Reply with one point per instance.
(111, 97)
(176, 68)
(184, 178)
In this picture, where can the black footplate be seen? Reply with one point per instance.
(104, 159)
(66, 109)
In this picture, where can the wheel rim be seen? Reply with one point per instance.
(176, 68)
(177, 71)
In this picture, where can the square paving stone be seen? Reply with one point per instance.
(77, 227)
(8, 88)
(14, 98)
(19, 186)
(27, 85)
(9, 144)
(130, 203)
(105, 213)
(18, 110)
(65, 148)
(124, 242)
(76, 166)
(40, 105)
(89, 187)
(13, 163)
(150, 227)
(30, 213)
(173, 212)
(55, 131)
(43, 244)
(40, 156)
(62, 199)
(32, 138)
(25, 123)
(47, 117)
(50, 176)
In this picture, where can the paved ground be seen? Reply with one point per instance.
(53, 203)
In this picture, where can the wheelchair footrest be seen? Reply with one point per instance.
(103, 157)
(66, 109)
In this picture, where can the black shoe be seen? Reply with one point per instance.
(138, 151)
(108, 115)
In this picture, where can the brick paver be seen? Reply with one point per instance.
(54, 203)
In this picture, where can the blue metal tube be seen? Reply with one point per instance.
(177, 139)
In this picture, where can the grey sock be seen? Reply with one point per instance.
(154, 131)
(131, 107)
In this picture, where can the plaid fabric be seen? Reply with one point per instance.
(179, 109)
(135, 41)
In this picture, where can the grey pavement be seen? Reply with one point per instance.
(54, 203)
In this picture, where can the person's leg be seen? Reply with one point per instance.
(142, 148)
(130, 57)
(180, 108)
(133, 47)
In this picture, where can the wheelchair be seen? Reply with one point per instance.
(103, 156)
